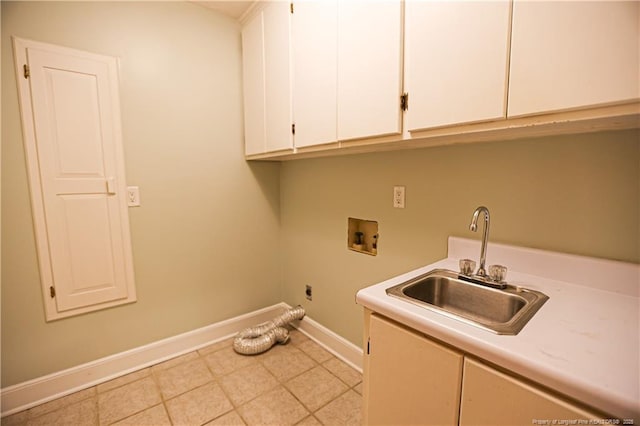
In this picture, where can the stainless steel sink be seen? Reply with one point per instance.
(502, 311)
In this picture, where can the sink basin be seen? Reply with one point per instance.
(502, 311)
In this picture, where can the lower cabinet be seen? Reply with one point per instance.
(410, 379)
(490, 397)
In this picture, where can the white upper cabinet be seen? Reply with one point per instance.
(267, 80)
(332, 72)
(456, 62)
(570, 55)
(315, 35)
(369, 68)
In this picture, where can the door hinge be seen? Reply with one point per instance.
(26, 72)
(291, 7)
(52, 291)
(293, 128)
(404, 101)
(368, 346)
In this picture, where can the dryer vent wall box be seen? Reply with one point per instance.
(363, 236)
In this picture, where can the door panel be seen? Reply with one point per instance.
(84, 262)
(76, 136)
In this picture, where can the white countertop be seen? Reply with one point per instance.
(584, 341)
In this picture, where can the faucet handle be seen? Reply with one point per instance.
(498, 273)
(467, 266)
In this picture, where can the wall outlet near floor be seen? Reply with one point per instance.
(398, 197)
(308, 292)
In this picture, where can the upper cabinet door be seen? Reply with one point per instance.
(567, 55)
(369, 68)
(277, 74)
(456, 61)
(315, 34)
(266, 71)
(253, 85)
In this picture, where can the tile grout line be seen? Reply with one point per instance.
(159, 389)
(332, 399)
(282, 383)
(214, 379)
(224, 391)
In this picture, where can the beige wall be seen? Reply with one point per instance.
(577, 194)
(203, 237)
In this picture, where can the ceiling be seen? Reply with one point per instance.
(232, 8)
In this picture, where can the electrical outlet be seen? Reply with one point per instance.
(308, 292)
(398, 197)
(133, 196)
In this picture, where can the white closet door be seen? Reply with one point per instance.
(314, 35)
(369, 68)
(457, 63)
(79, 176)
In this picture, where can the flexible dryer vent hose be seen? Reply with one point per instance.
(258, 339)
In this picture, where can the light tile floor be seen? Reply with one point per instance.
(297, 383)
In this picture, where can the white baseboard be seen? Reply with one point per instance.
(34, 392)
(46, 388)
(337, 345)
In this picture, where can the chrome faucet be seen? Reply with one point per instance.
(485, 237)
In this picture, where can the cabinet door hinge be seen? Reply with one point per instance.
(291, 7)
(404, 101)
(368, 346)
(26, 72)
(52, 291)
(293, 128)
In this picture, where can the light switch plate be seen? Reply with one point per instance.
(133, 196)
